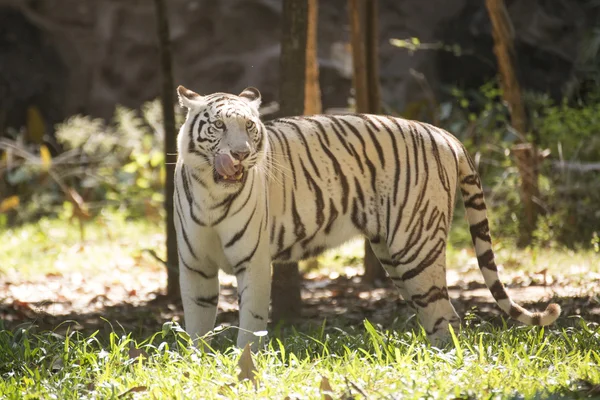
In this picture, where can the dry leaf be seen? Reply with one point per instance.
(247, 368)
(136, 353)
(227, 391)
(135, 389)
(45, 157)
(326, 389)
(36, 126)
(9, 203)
(80, 208)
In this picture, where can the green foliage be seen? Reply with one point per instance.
(569, 198)
(119, 165)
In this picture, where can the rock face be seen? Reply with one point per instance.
(86, 56)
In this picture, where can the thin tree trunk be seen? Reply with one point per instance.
(525, 153)
(365, 39)
(170, 144)
(285, 286)
(372, 55)
(312, 92)
(359, 61)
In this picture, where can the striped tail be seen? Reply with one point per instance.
(470, 187)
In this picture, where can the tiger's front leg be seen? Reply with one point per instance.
(199, 284)
(254, 295)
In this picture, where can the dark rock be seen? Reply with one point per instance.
(86, 56)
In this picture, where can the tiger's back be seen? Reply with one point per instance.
(333, 177)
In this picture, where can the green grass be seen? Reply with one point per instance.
(55, 246)
(482, 362)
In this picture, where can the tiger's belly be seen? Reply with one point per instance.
(314, 243)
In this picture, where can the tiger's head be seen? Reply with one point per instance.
(222, 134)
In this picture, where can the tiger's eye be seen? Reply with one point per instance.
(249, 124)
(219, 124)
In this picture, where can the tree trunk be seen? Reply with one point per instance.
(525, 153)
(365, 36)
(285, 286)
(312, 92)
(170, 144)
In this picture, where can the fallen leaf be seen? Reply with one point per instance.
(247, 367)
(57, 364)
(137, 353)
(136, 389)
(227, 391)
(326, 390)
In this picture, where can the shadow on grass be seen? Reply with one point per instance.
(341, 302)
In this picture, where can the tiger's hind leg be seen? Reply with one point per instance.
(381, 251)
(421, 279)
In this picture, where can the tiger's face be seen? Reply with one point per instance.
(222, 135)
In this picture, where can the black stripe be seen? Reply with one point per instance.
(256, 316)
(241, 232)
(282, 136)
(434, 293)
(280, 239)
(199, 272)
(428, 260)
(338, 130)
(340, 174)
(436, 326)
(471, 202)
(515, 311)
(249, 256)
(321, 129)
(320, 204)
(189, 196)
(306, 146)
(498, 291)
(481, 230)
(191, 131)
(185, 235)
(486, 260)
(243, 206)
(333, 214)
(373, 137)
(299, 228)
(206, 302)
(370, 165)
(396, 153)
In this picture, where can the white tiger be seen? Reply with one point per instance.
(249, 193)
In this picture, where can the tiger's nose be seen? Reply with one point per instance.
(240, 155)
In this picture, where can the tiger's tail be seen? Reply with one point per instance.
(470, 187)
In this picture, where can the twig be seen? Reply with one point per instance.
(429, 95)
(356, 387)
(576, 166)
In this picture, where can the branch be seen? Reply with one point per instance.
(576, 166)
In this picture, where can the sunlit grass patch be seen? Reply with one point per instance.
(482, 362)
(55, 245)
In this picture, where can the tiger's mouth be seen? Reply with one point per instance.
(228, 170)
(238, 177)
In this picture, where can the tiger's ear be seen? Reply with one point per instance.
(187, 98)
(252, 96)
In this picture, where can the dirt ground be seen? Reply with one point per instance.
(132, 297)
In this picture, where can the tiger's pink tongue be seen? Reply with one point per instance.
(224, 165)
